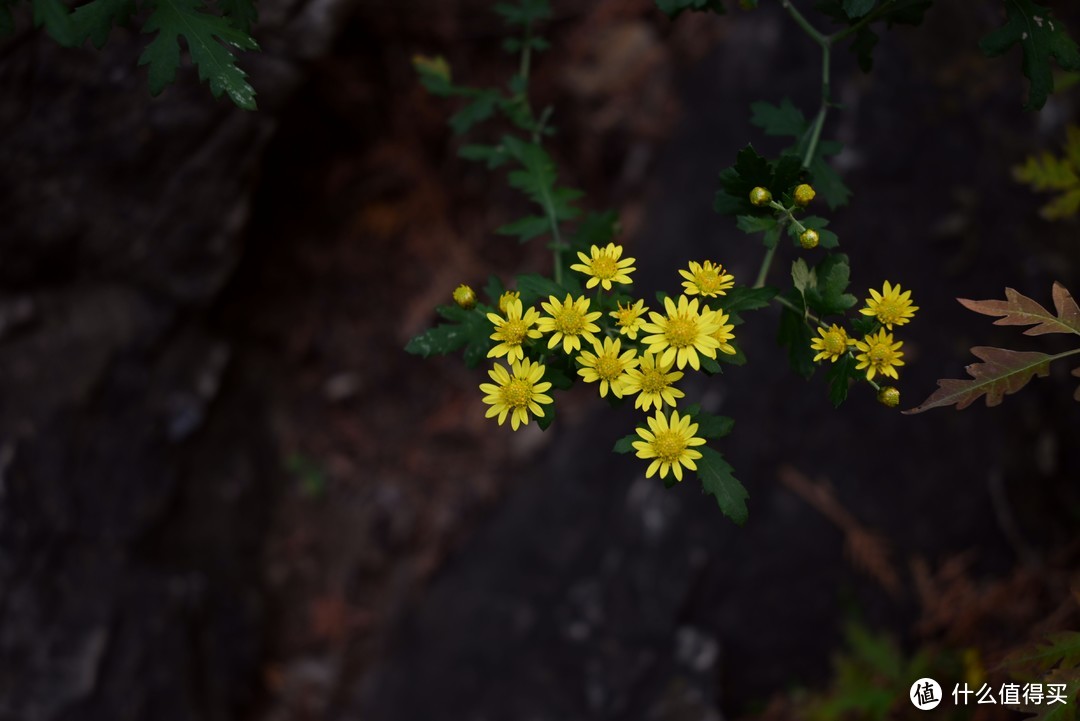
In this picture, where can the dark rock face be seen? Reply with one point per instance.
(123, 219)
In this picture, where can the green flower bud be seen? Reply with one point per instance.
(803, 195)
(760, 196)
(809, 238)
(465, 297)
(889, 396)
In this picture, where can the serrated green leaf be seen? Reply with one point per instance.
(709, 425)
(494, 289)
(595, 229)
(718, 480)
(1059, 648)
(784, 119)
(534, 287)
(537, 177)
(241, 13)
(54, 16)
(743, 298)
(755, 223)
(674, 8)
(827, 183)
(795, 336)
(839, 375)
(434, 75)
(480, 108)
(548, 418)
(827, 297)
(863, 47)
(1042, 38)
(468, 329)
(527, 228)
(94, 20)
(710, 366)
(826, 238)
(802, 276)
(204, 35)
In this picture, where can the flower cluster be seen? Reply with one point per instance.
(878, 353)
(628, 351)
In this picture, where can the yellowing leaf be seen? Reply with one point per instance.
(1018, 309)
(1002, 372)
(1049, 173)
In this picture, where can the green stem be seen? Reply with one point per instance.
(866, 20)
(766, 263)
(810, 30)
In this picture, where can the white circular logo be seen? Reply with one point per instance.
(925, 694)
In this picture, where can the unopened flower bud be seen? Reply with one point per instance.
(465, 297)
(809, 238)
(889, 396)
(760, 196)
(803, 195)
(505, 299)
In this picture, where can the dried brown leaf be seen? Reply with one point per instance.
(1018, 309)
(1002, 372)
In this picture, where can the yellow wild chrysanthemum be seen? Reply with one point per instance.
(604, 267)
(707, 279)
(890, 307)
(516, 394)
(723, 334)
(506, 297)
(653, 382)
(513, 330)
(568, 322)
(607, 365)
(832, 343)
(879, 355)
(683, 333)
(670, 444)
(629, 318)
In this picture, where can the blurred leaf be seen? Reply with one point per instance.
(524, 12)
(56, 19)
(1042, 38)
(858, 8)
(241, 13)
(527, 228)
(479, 109)
(674, 8)
(1047, 173)
(94, 20)
(491, 155)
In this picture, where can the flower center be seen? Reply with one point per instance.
(569, 321)
(604, 267)
(608, 367)
(513, 331)
(624, 317)
(517, 393)
(681, 332)
(888, 311)
(879, 353)
(669, 445)
(834, 343)
(653, 381)
(708, 281)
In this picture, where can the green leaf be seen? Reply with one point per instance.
(827, 297)
(709, 425)
(537, 177)
(826, 238)
(625, 444)
(94, 20)
(752, 170)
(743, 298)
(546, 420)
(7, 22)
(524, 12)
(492, 156)
(241, 13)
(55, 17)
(827, 182)
(1058, 648)
(863, 47)
(468, 329)
(595, 229)
(1042, 38)
(478, 110)
(674, 8)
(710, 366)
(858, 8)
(802, 276)
(784, 119)
(434, 75)
(557, 376)
(494, 289)
(534, 287)
(204, 34)
(839, 376)
(527, 228)
(795, 336)
(719, 482)
(755, 223)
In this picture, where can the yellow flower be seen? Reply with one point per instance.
(629, 318)
(465, 297)
(683, 333)
(506, 297)
(879, 355)
(513, 330)
(604, 266)
(723, 334)
(652, 383)
(707, 279)
(803, 195)
(517, 394)
(669, 443)
(607, 366)
(832, 344)
(569, 321)
(890, 307)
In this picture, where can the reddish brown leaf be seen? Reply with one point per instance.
(1001, 372)
(1018, 309)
